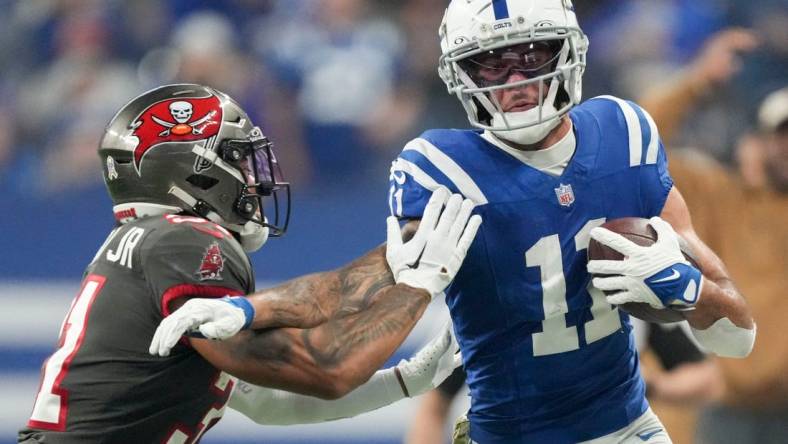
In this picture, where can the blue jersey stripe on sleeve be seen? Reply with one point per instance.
(403, 166)
(650, 136)
(423, 171)
(446, 166)
(633, 129)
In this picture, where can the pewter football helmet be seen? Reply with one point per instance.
(190, 148)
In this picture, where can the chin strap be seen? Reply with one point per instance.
(196, 206)
(527, 135)
(252, 235)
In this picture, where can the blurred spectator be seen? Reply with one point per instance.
(420, 101)
(337, 65)
(742, 216)
(717, 63)
(684, 375)
(748, 219)
(645, 42)
(64, 106)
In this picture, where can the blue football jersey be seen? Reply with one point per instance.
(547, 358)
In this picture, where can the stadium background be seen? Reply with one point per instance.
(338, 85)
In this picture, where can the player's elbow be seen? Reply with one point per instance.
(337, 383)
(332, 389)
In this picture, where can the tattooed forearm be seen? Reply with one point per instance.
(345, 324)
(267, 348)
(314, 299)
(386, 320)
(334, 358)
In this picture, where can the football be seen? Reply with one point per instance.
(640, 232)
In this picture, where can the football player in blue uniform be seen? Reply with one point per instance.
(549, 357)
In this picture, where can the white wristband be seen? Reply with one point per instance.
(725, 339)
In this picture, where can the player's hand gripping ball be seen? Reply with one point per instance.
(659, 290)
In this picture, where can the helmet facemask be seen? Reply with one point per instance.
(262, 197)
(550, 58)
(188, 148)
(264, 190)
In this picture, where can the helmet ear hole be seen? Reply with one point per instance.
(233, 151)
(202, 181)
(246, 207)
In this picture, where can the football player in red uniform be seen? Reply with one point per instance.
(195, 187)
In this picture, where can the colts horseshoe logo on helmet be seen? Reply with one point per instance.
(176, 120)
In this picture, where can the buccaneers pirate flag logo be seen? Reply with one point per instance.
(176, 120)
(212, 264)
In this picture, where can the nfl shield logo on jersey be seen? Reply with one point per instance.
(565, 195)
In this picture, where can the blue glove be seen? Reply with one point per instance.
(658, 274)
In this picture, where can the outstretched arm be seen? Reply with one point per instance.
(369, 323)
(314, 299)
(412, 377)
(327, 361)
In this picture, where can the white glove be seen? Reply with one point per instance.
(431, 365)
(442, 240)
(403, 256)
(213, 318)
(658, 274)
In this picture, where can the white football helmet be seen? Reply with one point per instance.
(480, 39)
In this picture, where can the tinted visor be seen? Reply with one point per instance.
(494, 67)
(265, 185)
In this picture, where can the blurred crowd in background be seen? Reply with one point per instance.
(339, 86)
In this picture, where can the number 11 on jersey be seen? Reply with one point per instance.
(556, 336)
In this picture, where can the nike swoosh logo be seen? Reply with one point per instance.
(645, 436)
(672, 277)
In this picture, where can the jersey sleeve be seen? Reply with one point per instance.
(655, 179)
(191, 257)
(638, 149)
(414, 176)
